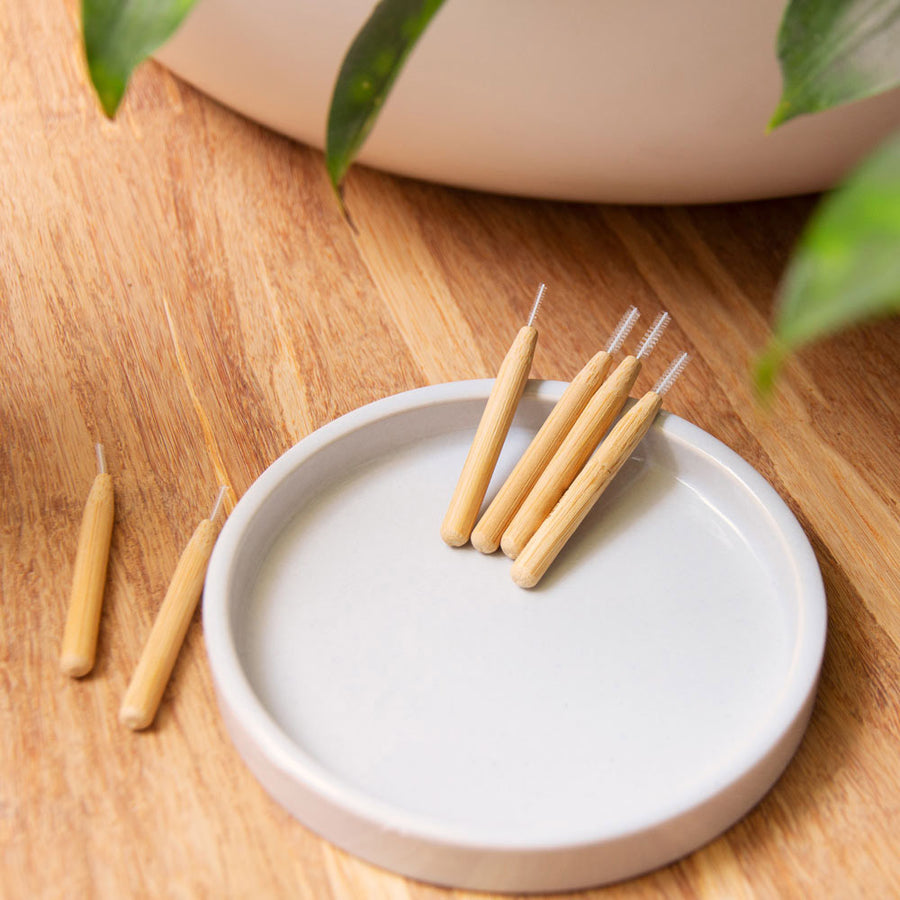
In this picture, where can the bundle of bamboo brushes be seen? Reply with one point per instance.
(568, 464)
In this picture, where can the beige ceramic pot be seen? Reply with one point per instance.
(597, 100)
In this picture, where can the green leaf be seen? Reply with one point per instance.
(835, 51)
(120, 34)
(846, 268)
(367, 74)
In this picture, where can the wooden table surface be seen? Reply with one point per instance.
(180, 286)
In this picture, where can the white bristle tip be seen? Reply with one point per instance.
(101, 460)
(220, 499)
(537, 303)
(670, 376)
(623, 329)
(654, 333)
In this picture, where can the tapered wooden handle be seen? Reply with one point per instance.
(488, 531)
(577, 446)
(576, 503)
(79, 645)
(167, 635)
(489, 437)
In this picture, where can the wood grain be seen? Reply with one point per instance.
(180, 286)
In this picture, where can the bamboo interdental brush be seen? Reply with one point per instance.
(487, 533)
(167, 635)
(601, 468)
(491, 433)
(579, 443)
(79, 645)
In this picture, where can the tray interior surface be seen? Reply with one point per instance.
(644, 664)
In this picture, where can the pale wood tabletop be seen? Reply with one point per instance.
(180, 285)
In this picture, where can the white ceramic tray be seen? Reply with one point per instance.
(411, 704)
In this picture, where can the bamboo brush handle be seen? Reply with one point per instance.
(487, 533)
(489, 437)
(577, 446)
(167, 635)
(577, 502)
(79, 645)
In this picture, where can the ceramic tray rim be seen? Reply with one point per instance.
(248, 713)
